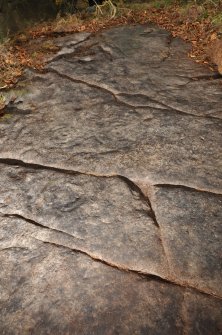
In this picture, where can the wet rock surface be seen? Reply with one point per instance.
(110, 178)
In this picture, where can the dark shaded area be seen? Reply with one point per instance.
(17, 14)
(94, 2)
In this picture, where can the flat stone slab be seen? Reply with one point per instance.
(110, 203)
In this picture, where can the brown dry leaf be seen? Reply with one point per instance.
(199, 31)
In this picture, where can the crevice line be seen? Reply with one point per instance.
(119, 101)
(187, 188)
(39, 166)
(132, 186)
(141, 274)
(37, 224)
(97, 258)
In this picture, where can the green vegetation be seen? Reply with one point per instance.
(5, 117)
(217, 19)
(161, 3)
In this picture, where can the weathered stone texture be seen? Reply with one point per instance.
(110, 179)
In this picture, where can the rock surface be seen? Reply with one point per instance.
(110, 178)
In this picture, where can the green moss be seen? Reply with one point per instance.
(161, 3)
(217, 19)
(13, 94)
(5, 117)
(2, 98)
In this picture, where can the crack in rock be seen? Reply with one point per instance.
(117, 94)
(132, 186)
(129, 270)
(215, 76)
(188, 188)
(97, 258)
(152, 214)
(39, 166)
(90, 84)
(71, 50)
(37, 224)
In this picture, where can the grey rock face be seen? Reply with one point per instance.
(110, 203)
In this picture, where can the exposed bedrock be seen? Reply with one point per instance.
(110, 202)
